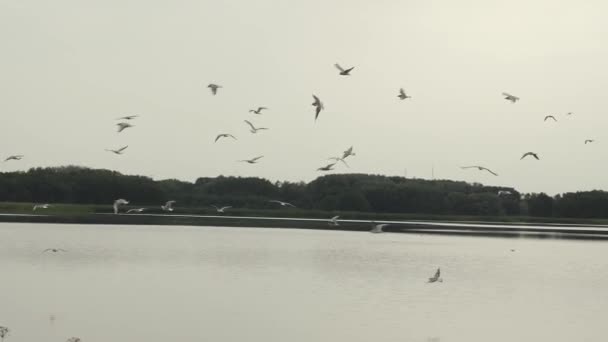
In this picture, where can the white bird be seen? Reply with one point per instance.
(123, 125)
(377, 228)
(319, 106)
(54, 250)
(14, 157)
(40, 206)
(589, 141)
(510, 97)
(168, 206)
(252, 161)
(343, 72)
(138, 210)
(222, 209)
(214, 88)
(402, 95)
(257, 111)
(128, 117)
(253, 128)
(224, 135)
(283, 204)
(118, 203)
(334, 221)
(118, 151)
(436, 277)
(504, 192)
(529, 154)
(480, 168)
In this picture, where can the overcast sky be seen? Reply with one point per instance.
(70, 68)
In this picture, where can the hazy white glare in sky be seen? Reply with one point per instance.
(71, 68)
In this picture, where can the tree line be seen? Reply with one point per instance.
(335, 192)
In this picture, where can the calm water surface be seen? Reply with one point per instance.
(150, 283)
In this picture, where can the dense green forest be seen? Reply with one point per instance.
(337, 192)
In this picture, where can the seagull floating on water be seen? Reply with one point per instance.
(480, 168)
(319, 106)
(14, 157)
(222, 209)
(119, 151)
(168, 206)
(253, 128)
(589, 141)
(128, 117)
(224, 135)
(378, 228)
(283, 204)
(123, 125)
(138, 210)
(550, 117)
(343, 72)
(257, 111)
(402, 95)
(510, 97)
(54, 250)
(118, 203)
(529, 154)
(214, 88)
(40, 206)
(436, 277)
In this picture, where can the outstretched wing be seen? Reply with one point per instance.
(490, 171)
(122, 148)
(339, 67)
(401, 92)
(256, 158)
(250, 124)
(224, 208)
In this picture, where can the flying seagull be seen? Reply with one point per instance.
(436, 277)
(504, 192)
(283, 204)
(128, 117)
(529, 154)
(327, 167)
(138, 210)
(589, 141)
(168, 206)
(480, 168)
(14, 157)
(252, 161)
(118, 203)
(220, 210)
(40, 206)
(119, 151)
(550, 117)
(214, 88)
(402, 95)
(343, 72)
(334, 221)
(348, 153)
(253, 128)
(510, 97)
(224, 135)
(54, 250)
(569, 113)
(319, 106)
(377, 228)
(123, 125)
(257, 111)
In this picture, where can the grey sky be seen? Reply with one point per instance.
(69, 68)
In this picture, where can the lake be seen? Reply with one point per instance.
(169, 283)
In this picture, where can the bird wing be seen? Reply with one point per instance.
(228, 207)
(250, 125)
(508, 95)
(401, 92)
(469, 167)
(490, 171)
(122, 148)
(317, 101)
(339, 67)
(47, 250)
(348, 70)
(256, 158)
(170, 203)
(525, 155)
(215, 207)
(261, 108)
(335, 218)
(317, 112)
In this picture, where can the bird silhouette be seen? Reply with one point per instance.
(530, 154)
(480, 168)
(343, 72)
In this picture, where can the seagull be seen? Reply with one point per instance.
(589, 141)
(54, 250)
(348, 153)
(168, 206)
(319, 106)
(138, 210)
(480, 168)
(510, 97)
(504, 192)
(334, 221)
(119, 202)
(123, 125)
(343, 72)
(224, 135)
(569, 113)
(128, 117)
(436, 277)
(377, 228)
(14, 157)
(222, 209)
(40, 206)
(338, 159)
(257, 111)
(402, 95)
(283, 204)
(252, 161)
(119, 151)
(253, 129)
(214, 88)
(328, 167)
(550, 117)
(529, 154)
